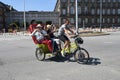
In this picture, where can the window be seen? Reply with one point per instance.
(93, 1)
(118, 20)
(72, 20)
(93, 11)
(113, 20)
(98, 11)
(109, 0)
(103, 11)
(93, 20)
(86, 10)
(63, 0)
(86, 0)
(103, 20)
(113, 11)
(71, 0)
(86, 20)
(79, 0)
(108, 20)
(98, 0)
(79, 20)
(108, 11)
(79, 9)
(118, 11)
(63, 21)
(98, 20)
(114, 0)
(72, 10)
(103, 0)
(63, 11)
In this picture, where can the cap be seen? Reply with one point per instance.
(49, 26)
(39, 26)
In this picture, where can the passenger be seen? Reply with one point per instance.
(42, 36)
(56, 42)
(31, 28)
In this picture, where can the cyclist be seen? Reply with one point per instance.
(63, 35)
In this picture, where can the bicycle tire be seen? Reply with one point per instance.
(40, 55)
(81, 56)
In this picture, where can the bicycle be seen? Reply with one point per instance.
(80, 54)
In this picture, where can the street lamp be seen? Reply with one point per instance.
(100, 15)
(76, 3)
(24, 17)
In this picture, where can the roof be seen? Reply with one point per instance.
(7, 7)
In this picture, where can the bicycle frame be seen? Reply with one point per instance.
(72, 48)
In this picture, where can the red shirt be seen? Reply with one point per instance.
(31, 29)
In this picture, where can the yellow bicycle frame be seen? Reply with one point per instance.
(43, 47)
(70, 49)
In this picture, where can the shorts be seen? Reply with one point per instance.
(63, 38)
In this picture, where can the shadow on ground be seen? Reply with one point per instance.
(92, 61)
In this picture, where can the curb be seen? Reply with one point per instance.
(93, 34)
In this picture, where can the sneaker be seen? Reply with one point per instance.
(63, 53)
(54, 53)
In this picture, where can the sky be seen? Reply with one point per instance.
(32, 5)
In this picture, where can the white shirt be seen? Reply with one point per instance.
(39, 34)
(61, 29)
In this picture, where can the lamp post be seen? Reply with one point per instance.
(100, 15)
(24, 17)
(10, 14)
(76, 3)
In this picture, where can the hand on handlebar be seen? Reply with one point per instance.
(73, 36)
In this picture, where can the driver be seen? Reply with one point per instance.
(63, 35)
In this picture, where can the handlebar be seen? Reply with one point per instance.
(74, 36)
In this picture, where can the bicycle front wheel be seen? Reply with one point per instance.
(81, 56)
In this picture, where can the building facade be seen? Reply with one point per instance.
(44, 17)
(89, 12)
(3, 10)
(9, 15)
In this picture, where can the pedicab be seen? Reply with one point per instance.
(80, 54)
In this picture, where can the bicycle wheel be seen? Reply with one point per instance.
(40, 55)
(81, 56)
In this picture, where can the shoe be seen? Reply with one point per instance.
(63, 53)
(54, 53)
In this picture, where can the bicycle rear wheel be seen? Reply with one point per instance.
(40, 55)
(82, 56)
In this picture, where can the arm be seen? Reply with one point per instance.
(67, 30)
(33, 33)
(52, 31)
(71, 31)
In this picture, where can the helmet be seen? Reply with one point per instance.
(79, 40)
